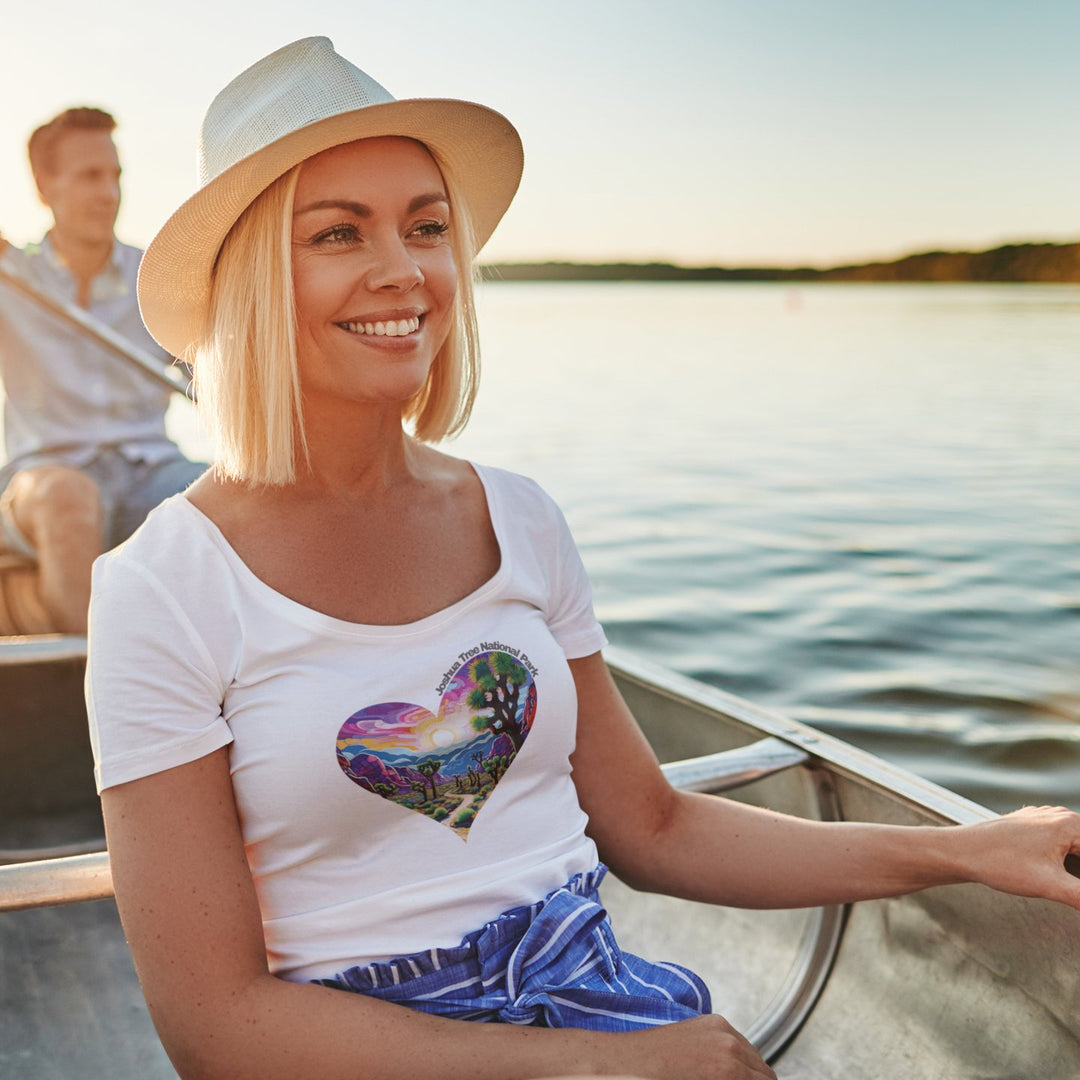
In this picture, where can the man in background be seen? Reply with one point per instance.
(87, 454)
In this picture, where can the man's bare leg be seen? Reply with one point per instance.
(58, 510)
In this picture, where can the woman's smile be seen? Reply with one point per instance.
(384, 325)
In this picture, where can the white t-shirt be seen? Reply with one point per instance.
(398, 786)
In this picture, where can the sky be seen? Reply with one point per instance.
(721, 132)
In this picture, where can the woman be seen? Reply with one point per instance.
(335, 688)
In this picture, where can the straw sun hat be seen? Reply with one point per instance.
(290, 105)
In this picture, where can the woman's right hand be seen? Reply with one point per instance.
(705, 1048)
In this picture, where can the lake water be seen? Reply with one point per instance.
(857, 504)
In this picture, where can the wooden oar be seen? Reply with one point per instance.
(83, 321)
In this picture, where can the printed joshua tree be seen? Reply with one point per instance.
(474, 775)
(496, 765)
(421, 789)
(498, 678)
(430, 770)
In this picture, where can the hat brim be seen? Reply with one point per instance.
(478, 147)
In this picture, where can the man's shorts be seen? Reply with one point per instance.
(128, 491)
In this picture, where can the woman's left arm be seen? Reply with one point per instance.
(703, 847)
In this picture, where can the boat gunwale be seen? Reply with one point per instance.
(28, 649)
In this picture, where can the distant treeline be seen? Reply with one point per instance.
(1012, 262)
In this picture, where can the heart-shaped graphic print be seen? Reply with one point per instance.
(444, 766)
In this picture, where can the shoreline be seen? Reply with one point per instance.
(1046, 263)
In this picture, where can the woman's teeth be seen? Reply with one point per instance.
(390, 328)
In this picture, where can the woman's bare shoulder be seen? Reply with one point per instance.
(438, 467)
(205, 492)
(222, 500)
(448, 481)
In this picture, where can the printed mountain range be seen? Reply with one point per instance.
(368, 768)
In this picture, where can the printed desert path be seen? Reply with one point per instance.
(466, 801)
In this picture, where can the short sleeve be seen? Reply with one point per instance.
(153, 692)
(571, 619)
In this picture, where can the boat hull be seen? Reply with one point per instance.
(956, 982)
(44, 745)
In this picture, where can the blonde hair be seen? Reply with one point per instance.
(246, 374)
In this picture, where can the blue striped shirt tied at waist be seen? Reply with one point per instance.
(554, 963)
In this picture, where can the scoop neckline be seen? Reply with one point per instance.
(320, 620)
